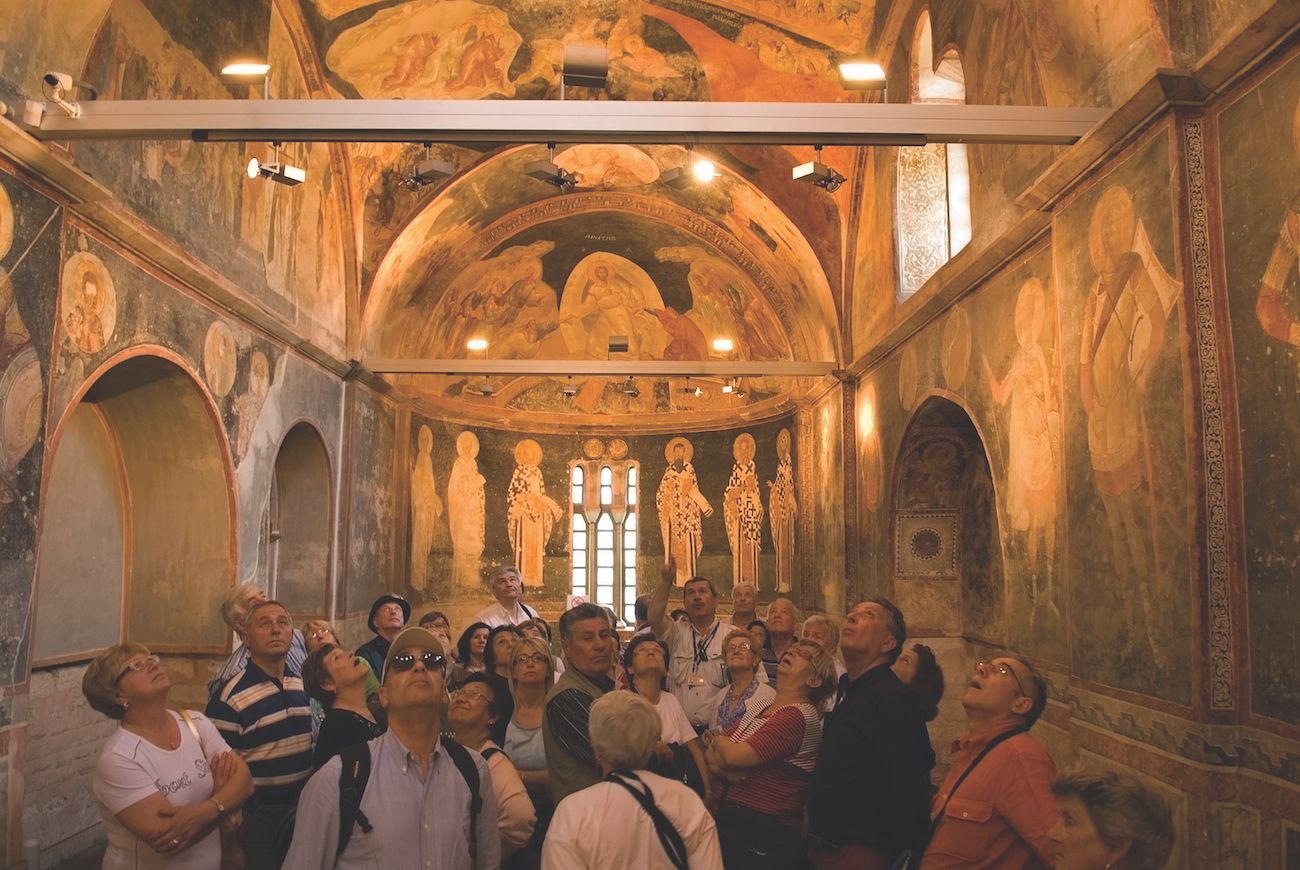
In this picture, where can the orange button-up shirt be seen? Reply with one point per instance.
(1000, 816)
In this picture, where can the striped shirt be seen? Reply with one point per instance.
(269, 724)
(786, 743)
(238, 660)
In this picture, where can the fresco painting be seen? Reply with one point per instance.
(783, 508)
(681, 508)
(1259, 142)
(1116, 276)
(251, 230)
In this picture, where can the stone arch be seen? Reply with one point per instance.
(165, 553)
(298, 523)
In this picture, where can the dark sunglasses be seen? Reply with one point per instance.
(404, 661)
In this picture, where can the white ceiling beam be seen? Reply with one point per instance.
(608, 368)
(509, 121)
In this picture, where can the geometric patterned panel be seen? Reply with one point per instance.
(925, 544)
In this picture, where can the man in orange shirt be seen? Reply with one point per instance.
(998, 815)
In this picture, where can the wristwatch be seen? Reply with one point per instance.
(221, 808)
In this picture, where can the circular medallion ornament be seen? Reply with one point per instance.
(925, 544)
(6, 223)
(909, 377)
(593, 448)
(956, 347)
(22, 398)
(618, 449)
(88, 302)
(219, 358)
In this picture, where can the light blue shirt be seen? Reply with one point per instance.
(418, 822)
(525, 747)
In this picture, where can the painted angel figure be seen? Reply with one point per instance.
(681, 507)
(530, 512)
(743, 512)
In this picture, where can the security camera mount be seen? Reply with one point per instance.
(59, 84)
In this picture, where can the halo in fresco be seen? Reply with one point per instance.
(528, 452)
(219, 358)
(21, 402)
(6, 223)
(88, 302)
(688, 452)
(956, 347)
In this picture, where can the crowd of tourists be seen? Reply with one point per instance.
(702, 742)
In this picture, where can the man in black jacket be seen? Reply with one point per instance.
(870, 792)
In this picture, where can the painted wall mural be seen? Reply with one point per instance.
(283, 246)
(1259, 142)
(826, 568)
(509, 502)
(1116, 276)
(29, 270)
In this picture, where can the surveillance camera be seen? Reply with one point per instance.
(58, 80)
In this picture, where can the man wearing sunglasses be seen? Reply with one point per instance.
(417, 803)
(1000, 813)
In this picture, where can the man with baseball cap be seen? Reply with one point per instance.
(388, 615)
(424, 802)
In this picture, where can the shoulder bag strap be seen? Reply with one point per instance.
(194, 729)
(469, 771)
(353, 777)
(669, 838)
(988, 747)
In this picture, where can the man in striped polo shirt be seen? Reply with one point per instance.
(265, 716)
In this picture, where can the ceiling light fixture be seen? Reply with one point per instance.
(570, 389)
(629, 388)
(428, 170)
(547, 170)
(860, 74)
(585, 66)
(701, 171)
(477, 344)
(818, 173)
(723, 345)
(281, 173)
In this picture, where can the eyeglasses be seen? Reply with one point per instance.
(321, 632)
(534, 659)
(1004, 670)
(472, 695)
(137, 665)
(743, 646)
(404, 661)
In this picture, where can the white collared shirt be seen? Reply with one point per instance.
(495, 614)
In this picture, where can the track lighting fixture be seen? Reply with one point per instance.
(629, 388)
(701, 171)
(547, 170)
(818, 173)
(428, 170)
(570, 389)
(281, 173)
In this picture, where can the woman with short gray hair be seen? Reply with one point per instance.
(644, 820)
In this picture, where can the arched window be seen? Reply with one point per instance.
(604, 563)
(933, 209)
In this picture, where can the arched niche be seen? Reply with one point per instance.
(136, 533)
(947, 568)
(298, 517)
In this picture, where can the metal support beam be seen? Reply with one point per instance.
(606, 368)
(506, 121)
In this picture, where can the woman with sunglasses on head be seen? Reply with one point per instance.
(164, 780)
(767, 762)
(478, 715)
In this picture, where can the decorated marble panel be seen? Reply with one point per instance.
(722, 503)
(29, 269)
(282, 245)
(1117, 277)
(1259, 142)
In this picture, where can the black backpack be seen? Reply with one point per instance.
(355, 774)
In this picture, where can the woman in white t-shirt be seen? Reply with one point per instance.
(164, 780)
(646, 663)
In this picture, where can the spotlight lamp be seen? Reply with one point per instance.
(428, 171)
(701, 171)
(246, 68)
(547, 170)
(818, 173)
(281, 173)
(477, 344)
(723, 345)
(629, 388)
(570, 389)
(861, 74)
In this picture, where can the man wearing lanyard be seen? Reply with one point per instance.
(697, 670)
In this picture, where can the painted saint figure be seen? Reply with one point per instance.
(782, 507)
(530, 512)
(1272, 313)
(466, 512)
(1033, 442)
(680, 507)
(1122, 336)
(426, 510)
(742, 512)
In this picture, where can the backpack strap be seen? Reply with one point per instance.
(469, 770)
(353, 778)
(668, 835)
(491, 751)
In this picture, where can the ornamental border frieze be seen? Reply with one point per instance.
(1212, 425)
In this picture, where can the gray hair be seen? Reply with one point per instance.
(798, 614)
(234, 608)
(586, 610)
(832, 628)
(624, 730)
